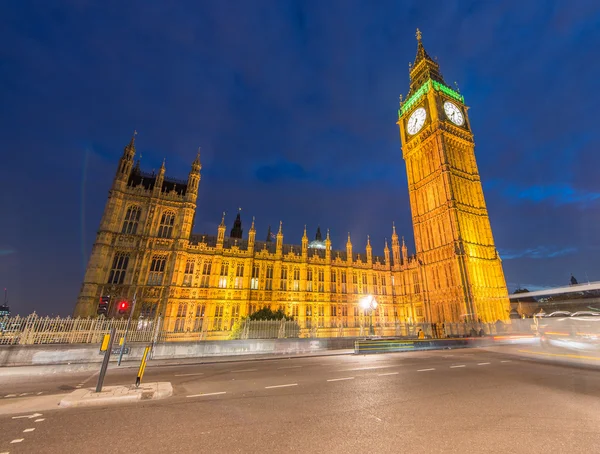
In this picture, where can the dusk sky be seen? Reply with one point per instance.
(294, 104)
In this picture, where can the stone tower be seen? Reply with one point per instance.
(147, 222)
(453, 237)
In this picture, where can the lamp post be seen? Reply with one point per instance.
(368, 302)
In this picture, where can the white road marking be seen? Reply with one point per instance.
(366, 368)
(482, 364)
(454, 367)
(505, 361)
(208, 394)
(245, 370)
(40, 420)
(425, 370)
(34, 415)
(281, 386)
(31, 429)
(340, 379)
(18, 440)
(11, 395)
(389, 373)
(289, 367)
(24, 394)
(189, 375)
(40, 393)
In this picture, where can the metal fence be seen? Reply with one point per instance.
(45, 330)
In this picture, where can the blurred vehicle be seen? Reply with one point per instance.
(579, 331)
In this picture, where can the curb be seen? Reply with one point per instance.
(111, 395)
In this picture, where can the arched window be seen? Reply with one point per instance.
(132, 218)
(118, 269)
(165, 230)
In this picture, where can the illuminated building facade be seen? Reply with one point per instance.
(145, 245)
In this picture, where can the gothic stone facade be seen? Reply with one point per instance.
(145, 245)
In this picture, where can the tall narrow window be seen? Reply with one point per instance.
(223, 276)
(296, 279)
(355, 282)
(157, 270)
(344, 289)
(383, 286)
(321, 275)
(417, 289)
(205, 280)
(165, 229)
(181, 313)
(309, 280)
(239, 276)
(119, 267)
(333, 282)
(269, 280)
(235, 315)
(284, 276)
(132, 217)
(255, 277)
(218, 319)
(375, 286)
(199, 319)
(189, 273)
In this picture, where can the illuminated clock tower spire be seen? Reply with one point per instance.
(463, 274)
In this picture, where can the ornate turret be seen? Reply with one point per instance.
(279, 246)
(395, 246)
(221, 233)
(126, 161)
(404, 252)
(160, 178)
(251, 236)
(369, 251)
(318, 236)
(304, 244)
(386, 253)
(194, 179)
(236, 231)
(349, 249)
(327, 247)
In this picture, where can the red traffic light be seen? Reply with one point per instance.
(123, 305)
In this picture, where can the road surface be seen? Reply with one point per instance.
(467, 400)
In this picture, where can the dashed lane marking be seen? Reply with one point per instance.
(340, 379)
(505, 361)
(425, 370)
(31, 429)
(289, 367)
(281, 386)
(389, 373)
(39, 420)
(207, 394)
(367, 368)
(17, 440)
(245, 370)
(482, 364)
(189, 375)
(39, 393)
(460, 365)
(11, 395)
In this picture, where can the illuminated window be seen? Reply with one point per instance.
(309, 280)
(189, 273)
(284, 275)
(383, 286)
(119, 267)
(224, 274)
(375, 286)
(132, 217)
(334, 311)
(269, 278)
(255, 277)
(235, 315)
(165, 229)
(199, 319)
(218, 318)
(344, 290)
(321, 275)
(157, 270)
(295, 310)
(333, 282)
(180, 320)
(205, 280)
(239, 276)
(296, 279)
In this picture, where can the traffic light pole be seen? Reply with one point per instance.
(127, 328)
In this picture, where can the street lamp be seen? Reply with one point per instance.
(368, 302)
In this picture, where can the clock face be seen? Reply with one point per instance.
(416, 121)
(454, 114)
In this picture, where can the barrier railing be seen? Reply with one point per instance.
(45, 330)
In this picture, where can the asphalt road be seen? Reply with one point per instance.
(467, 400)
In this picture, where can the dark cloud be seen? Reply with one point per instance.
(294, 104)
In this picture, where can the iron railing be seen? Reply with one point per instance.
(45, 330)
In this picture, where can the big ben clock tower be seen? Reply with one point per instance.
(462, 271)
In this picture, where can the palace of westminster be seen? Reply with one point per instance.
(145, 244)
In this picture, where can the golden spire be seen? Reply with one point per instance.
(327, 234)
(280, 228)
(252, 226)
(418, 35)
(223, 220)
(368, 241)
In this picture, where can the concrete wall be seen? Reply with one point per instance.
(38, 355)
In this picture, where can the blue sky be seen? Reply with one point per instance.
(294, 105)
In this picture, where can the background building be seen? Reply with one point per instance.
(145, 245)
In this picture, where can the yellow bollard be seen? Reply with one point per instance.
(142, 368)
(105, 341)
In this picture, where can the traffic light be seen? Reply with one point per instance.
(103, 305)
(123, 306)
